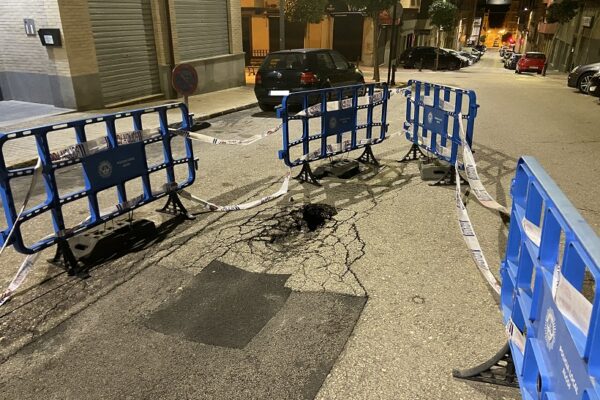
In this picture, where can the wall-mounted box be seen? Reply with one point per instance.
(29, 24)
(50, 37)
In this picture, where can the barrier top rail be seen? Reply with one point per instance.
(432, 113)
(108, 162)
(338, 109)
(549, 277)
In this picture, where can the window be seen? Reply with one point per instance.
(339, 60)
(283, 61)
(324, 61)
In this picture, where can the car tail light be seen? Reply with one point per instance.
(308, 78)
(258, 79)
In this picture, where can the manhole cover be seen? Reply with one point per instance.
(224, 306)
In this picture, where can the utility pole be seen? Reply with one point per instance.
(281, 24)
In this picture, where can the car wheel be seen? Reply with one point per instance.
(266, 107)
(517, 70)
(583, 83)
(452, 66)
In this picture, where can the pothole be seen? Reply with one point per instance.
(285, 228)
(342, 169)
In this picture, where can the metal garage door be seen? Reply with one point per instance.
(202, 28)
(125, 48)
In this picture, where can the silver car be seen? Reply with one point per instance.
(581, 76)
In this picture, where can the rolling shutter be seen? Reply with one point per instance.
(202, 28)
(125, 49)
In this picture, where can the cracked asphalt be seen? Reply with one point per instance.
(384, 302)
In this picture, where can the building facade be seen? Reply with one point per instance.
(116, 51)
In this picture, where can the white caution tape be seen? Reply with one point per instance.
(28, 263)
(470, 238)
(473, 177)
(245, 206)
(515, 335)
(22, 273)
(570, 301)
(532, 231)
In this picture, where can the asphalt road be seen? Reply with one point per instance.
(380, 303)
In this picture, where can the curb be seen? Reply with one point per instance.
(228, 111)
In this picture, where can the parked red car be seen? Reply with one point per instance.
(531, 61)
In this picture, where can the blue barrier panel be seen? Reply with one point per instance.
(548, 290)
(432, 113)
(108, 162)
(346, 118)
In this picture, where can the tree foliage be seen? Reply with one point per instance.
(307, 11)
(562, 12)
(443, 14)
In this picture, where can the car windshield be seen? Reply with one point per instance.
(283, 61)
(536, 55)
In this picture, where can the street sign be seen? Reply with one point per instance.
(184, 79)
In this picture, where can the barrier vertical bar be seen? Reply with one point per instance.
(384, 105)
(323, 124)
(456, 126)
(444, 139)
(111, 133)
(370, 115)
(305, 127)
(166, 139)
(472, 114)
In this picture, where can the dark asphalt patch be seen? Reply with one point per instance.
(107, 352)
(224, 306)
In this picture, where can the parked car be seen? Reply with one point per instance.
(594, 88)
(507, 55)
(288, 71)
(511, 63)
(581, 75)
(531, 61)
(473, 51)
(481, 47)
(464, 61)
(472, 57)
(425, 56)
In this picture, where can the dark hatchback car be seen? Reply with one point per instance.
(511, 63)
(286, 71)
(424, 57)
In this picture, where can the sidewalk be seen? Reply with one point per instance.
(203, 106)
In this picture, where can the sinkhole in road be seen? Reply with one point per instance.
(286, 226)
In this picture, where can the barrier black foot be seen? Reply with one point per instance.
(306, 175)
(449, 179)
(174, 206)
(65, 258)
(412, 154)
(498, 370)
(367, 157)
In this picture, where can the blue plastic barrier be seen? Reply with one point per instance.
(561, 360)
(123, 159)
(432, 113)
(337, 111)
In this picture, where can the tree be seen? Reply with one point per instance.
(482, 38)
(373, 8)
(443, 16)
(562, 12)
(306, 11)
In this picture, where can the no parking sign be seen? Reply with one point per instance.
(184, 80)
